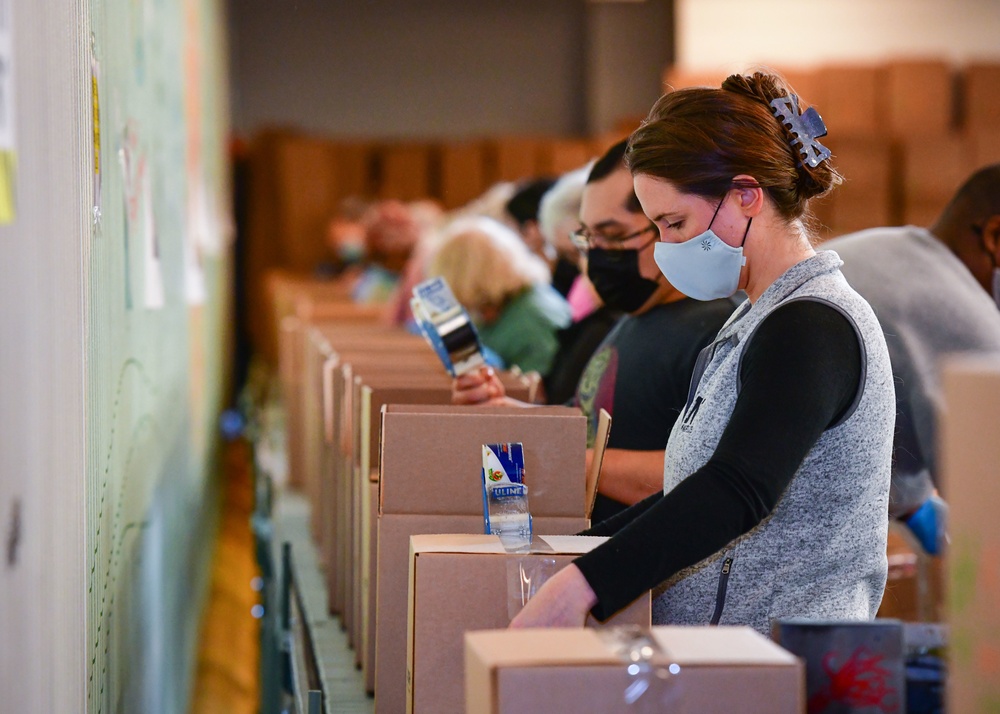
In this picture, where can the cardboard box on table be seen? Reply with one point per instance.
(970, 466)
(304, 347)
(334, 510)
(371, 390)
(459, 583)
(695, 670)
(330, 344)
(292, 345)
(430, 482)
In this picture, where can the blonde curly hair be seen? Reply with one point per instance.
(485, 262)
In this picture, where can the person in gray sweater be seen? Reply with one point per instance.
(776, 473)
(936, 291)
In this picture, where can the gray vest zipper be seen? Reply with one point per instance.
(720, 596)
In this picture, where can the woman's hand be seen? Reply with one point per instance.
(479, 387)
(563, 601)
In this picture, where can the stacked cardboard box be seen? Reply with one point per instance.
(920, 98)
(405, 171)
(430, 482)
(464, 172)
(459, 583)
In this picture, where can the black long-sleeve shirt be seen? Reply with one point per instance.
(800, 374)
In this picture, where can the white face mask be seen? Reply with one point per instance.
(704, 267)
(996, 286)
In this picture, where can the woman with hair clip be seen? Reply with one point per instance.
(776, 474)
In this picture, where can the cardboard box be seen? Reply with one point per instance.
(554, 441)
(405, 171)
(865, 199)
(851, 667)
(981, 96)
(392, 586)
(463, 583)
(339, 509)
(560, 156)
(371, 392)
(513, 158)
(696, 670)
(914, 589)
(920, 97)
(464, 172)
(970, 462)
(933, 169)
(850, 99)
(368, 579)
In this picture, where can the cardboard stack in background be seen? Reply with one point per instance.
(293, 346)
(371, 389)
(406, 171)
(970, 466)
(330, 493)
(430, 482)
(703, 670)
(459, 583)
(464, 172)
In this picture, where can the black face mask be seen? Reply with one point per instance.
(564, 272)
(615, 275)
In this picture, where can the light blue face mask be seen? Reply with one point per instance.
(704, 267)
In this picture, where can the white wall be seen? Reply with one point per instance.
(42, 360)
(730, 34)
(445, 68)
(415, 69)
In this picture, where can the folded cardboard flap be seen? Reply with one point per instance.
(431, 457)
(681, 645)
(597, 460)
(696, 669)
(471, 575)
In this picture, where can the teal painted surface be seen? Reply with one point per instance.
(155, 374)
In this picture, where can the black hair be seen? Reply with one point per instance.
(523, 205)
(614, 160)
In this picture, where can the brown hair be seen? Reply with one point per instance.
(699, 138)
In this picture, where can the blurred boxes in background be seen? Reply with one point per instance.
(459, 583)
(970, 466)
(687, 670)
(464, 172)
(920, 98)
(933, 167)
(981, 96)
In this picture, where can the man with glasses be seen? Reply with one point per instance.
(935, 291)
(641, 372)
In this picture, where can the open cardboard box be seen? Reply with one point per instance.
(693, 670)
(372, 389)
(460, 583)
(557, 463)
(332, 510)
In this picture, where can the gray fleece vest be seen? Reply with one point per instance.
(821, 554)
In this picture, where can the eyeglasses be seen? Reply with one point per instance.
(584, 239)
